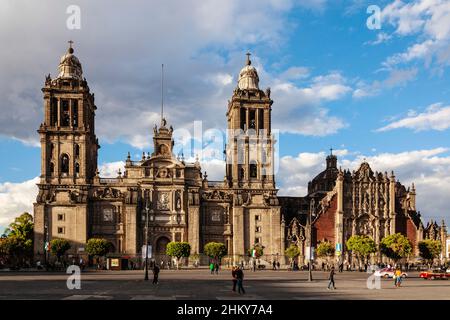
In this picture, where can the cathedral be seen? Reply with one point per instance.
(178, 202)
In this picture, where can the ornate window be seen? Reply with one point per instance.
(64, 164)
(163, 201)
(216, 215)
(75, 113)
(77, 150)
(253, 170)
(51, 168)
(108, 214)
(65, 113)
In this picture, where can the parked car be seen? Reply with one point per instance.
(388, 273)
(434, 274)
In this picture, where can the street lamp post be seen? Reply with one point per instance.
(311, 209)
(147, 210)
(45, 243)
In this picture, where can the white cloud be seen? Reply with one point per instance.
(435, 117)
(396, 78)
(16, 198)
(381, 38)
(124, 73)
(111, 169)
(430, 19)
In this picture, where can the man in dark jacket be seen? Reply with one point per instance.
(234, 279)
(240, 279)
(155, 273)
(331, 279)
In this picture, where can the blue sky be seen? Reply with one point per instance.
(383, 95)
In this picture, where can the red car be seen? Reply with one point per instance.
(434, 274)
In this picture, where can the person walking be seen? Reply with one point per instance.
(398, 277)
(278, 265)
(331, 279)
(234, 279)
(216, 267)
(155, 273)
(240, 279)
(211, 267)
(274, 265)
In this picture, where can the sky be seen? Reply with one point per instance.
(375, 94)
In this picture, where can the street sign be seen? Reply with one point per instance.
(253, 253)
(339, 247)
(149, 248)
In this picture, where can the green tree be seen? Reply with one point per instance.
(178, 250)
(259, 250)
(19, 239)
(292, 252)
(59, 247)
(98, 247)
(325, 249)
(362, 247)
(215, 250)
(395, 246)
(429, 249)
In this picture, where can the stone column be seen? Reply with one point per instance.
(194, 228)
(392, 203)
(238, 233)
(59, 112)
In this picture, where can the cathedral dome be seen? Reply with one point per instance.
(69, 66)
(248, 77)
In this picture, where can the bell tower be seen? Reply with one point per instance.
(69, 146)
(250, 142)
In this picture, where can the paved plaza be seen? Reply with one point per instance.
(200, 284)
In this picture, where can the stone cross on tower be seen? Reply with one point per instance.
(248, 58)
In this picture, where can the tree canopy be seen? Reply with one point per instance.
(178, 250)
(98, 247)
(395, 246)
(429, 249)
(59, 247)
(259, 250)
(215, 250)
(361, 246)
(325, 249)
(292, 252)
(17, 240)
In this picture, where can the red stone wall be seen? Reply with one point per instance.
(405, 226)
(324, 226)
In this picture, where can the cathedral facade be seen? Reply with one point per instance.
(75, 203)
(179, 201)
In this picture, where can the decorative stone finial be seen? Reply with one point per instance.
(248, 62)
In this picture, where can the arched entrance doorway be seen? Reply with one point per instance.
(160, 250)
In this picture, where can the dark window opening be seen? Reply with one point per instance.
(54, 112)
(51, 168)
(52, 150)
(75, 113)
(252, 119)
(65, 114)
(261, 119)
(253, 171)
(243, 119)
(77, 150)
(77, 169)
(65, 164)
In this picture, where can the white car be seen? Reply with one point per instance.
(388, 273)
